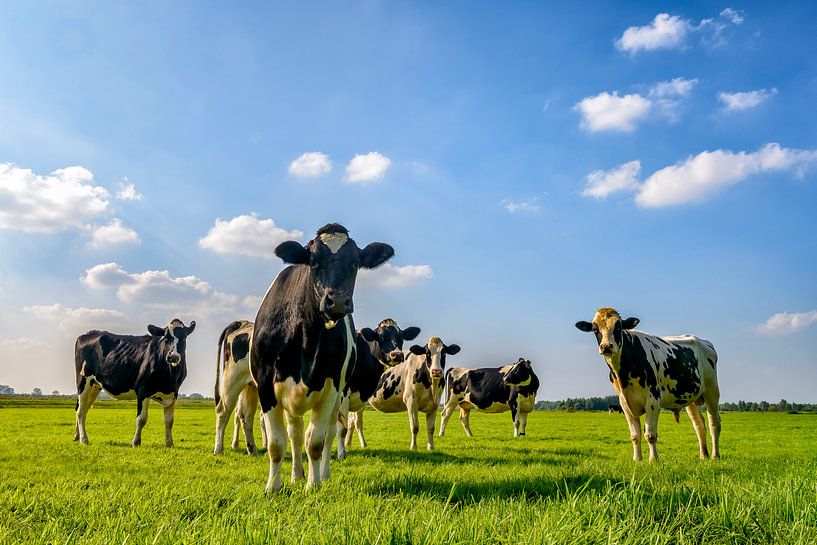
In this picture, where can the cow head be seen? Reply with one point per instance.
(435, 351)
(386, 341)
(609, 328)
(518, 374)
(173, 340)
(333, 260)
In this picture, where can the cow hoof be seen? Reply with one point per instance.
(521, 434)
(273, 488)
(135, 443)
(218, 451)
(169, 444)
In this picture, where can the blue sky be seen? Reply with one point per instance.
(528, 162)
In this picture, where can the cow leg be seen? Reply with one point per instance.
(359, 425)
(85, 400)
(516, 421)
(230, 397)
(295, 429)
(634, 423)
(237, 421)
(141, 420)
(523, 422)
(263, 426)
(414, 426)
(343, 428)
(247, 410)
(651, 428)
(430, 420)
(326, 456)
(323, 415)
(351, 422)
(170, 411)
(714, 424)
(448, 409)
(276, 446)
(465, 420)
(700, 429)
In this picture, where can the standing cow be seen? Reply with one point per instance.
(303, 344)
(491, 390)
(415, 385)
(650, 373)
(132, 367)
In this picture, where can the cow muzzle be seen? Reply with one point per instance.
(605, 349)
(436, 373)
(396, 356)
(174, 359)
(335, 306)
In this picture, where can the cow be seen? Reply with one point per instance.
(235, 389)
(303, 344)
(650, 373)
(132, 367)
(491, 390)
(415, 385)
(377, 349)
(614, 408)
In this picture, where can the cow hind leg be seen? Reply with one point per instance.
(359, 425)
(342, 428)
(170, 411)
(230, 398)
(239, 408)
(446, 414)
(714, 424)
(141, 420)
(248, 408)
(465, 420)
(276, 446)
(85, 400)
(700, 429)
(295, 428)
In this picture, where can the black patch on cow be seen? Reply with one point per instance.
(682, 367)
(241, 346)
(422, 376)
(388, 384)
(634, 365)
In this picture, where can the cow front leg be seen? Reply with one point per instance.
(326, 456)
(276, 446)
(714, 425)
(634, 424)
(170, 411)
(523, 422)
(359, 425)
(343, 428)
(430, 420)
(295, 428)
(465, 420)
(414, 425)
(323, 416)
(141, 420)
(694, 413)
(448, 409)
(85, 400)
(516, 421)
(249, 406)
(651, 428)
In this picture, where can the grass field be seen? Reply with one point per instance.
(571, 480)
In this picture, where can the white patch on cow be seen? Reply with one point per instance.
(129, 395)
(495, 407)
(525, 404)
(350, 344)
(165, 400)
(334, 241)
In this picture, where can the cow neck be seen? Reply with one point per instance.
(614, 362)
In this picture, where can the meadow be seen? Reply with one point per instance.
(570, 480)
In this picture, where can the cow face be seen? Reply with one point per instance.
(387, 341)
(173, 340)
(435, 351)
(609, 328)
(518, 374)
(334, 259)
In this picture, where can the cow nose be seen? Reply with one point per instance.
(396, 356)
(173, 358)
(436, 373)
(606, 348)
(337, 304)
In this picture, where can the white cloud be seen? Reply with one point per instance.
(785, 322)
(528, 206)
(112, 234)
(127, 191)
(745, 100)
(733, 15)
(698, 177)
(247, 235)
(665, 32)
(610, 112)
(21, 343)
(158, 289)
(310, 165)
(394, 276)
(367, 168)
(677, 87)
(601, 183)
(66, 198)
(75, 321)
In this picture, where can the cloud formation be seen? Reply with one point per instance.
(127, 191)
(784, 323)
(600, 183)
(113, 234)
(395, 276)
(667, 31)
(310, 165)
(247, 235)
(611, 112)
(75, 321)
(745, 100)
(530, 206)
(369, 167)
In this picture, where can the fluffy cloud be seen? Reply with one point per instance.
(367, 168)
(112, 234)
(21, 344)
(601, 183)
(158, 289)
(528, 206)
(785, 322)
(677, 87)
(75, 321)
(127, 191)
(66, 198)
(394, 276)
(698, 177)
(247, 235)
(311, 164)
(665, 32)
(610, 112)
(745, 100)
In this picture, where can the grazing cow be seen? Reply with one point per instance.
(614, 408)
(303, 344)
(415, 385)
(234, 386)
(132, 367)
(650, 373)
(491, 390)
(377, 350)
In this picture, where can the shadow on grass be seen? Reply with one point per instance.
(517, 457)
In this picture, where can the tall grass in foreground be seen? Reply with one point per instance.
(570, 480)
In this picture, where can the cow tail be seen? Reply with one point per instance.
(218, 363)
(447, 384)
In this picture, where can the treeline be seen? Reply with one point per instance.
(578, 404)
(8, 391)
(603, 403)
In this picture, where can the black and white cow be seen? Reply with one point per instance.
(491, 390)
(132, 367)
(235, 389)
(614, 408)
(415, 385)
(650, 373)
(302, 346)
(377, 350)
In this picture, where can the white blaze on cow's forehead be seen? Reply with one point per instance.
(334, 241)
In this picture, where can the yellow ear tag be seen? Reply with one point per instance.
(329, 324)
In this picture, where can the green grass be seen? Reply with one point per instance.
(571, 480)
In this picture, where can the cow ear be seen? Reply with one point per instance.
(584, 326)
(292, 252)
(410, 333)
(369, 334)
(375, 254)
(156, 331)
(417, 349)
(452, 349)
(192, 327)
(630, 323)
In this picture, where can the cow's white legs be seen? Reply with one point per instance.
(141, 420)
(295, 428)
(237, 421)
(326, 456)
(358, 419)
(323, 415)
(634, 423)
(430, 420)
(465, 420)
(246, 414)
(170, 411)
(517, 422)
(414, 425)
(651, 429)
(276, 446)
(694, 413)
(714, 424)
(342, 428)
(230, 392)
(84, 402)
(262, 424)
(523, 422)
(446, 413)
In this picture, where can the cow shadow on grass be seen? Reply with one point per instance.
(520, 457)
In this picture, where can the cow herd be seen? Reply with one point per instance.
(303, 354)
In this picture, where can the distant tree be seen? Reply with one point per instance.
(6, 390)
(764, 406)
(783, 405)
(55, 393)
(195, 395)
(36, 392)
